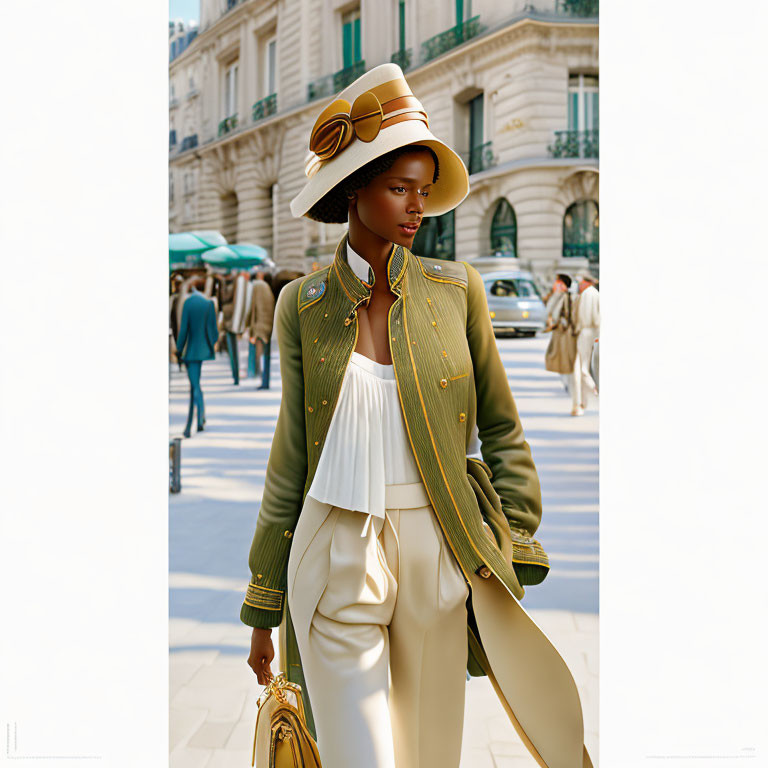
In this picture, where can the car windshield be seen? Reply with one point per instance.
(526, 288)
(503, 288)
(516, 288)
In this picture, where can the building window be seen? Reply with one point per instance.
(583, 103)
(435, 237)
(476, 134)
(350, 36)
(504, 230)
(463, 11)
(581, 231)
(270, 67)
(401, 25)
(230, 90)
(170, 187)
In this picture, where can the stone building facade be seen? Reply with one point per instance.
(513, 89)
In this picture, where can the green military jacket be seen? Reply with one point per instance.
(449, 376)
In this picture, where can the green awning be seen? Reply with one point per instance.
(186, 248)
(237, 256)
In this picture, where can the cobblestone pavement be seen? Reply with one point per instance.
(212, 690)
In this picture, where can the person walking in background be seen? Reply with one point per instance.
(564, 313)
(183, 292)
(173, 326)
(260, 323)
(562, 283)
(197, 335)
(560, 288)
(226, 304)
(211, 291)
(254, 366)
(585, 320)
(233, 309)
(588, 325)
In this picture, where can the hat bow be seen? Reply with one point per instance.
(341, 122)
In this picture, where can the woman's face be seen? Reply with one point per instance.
(396, 197)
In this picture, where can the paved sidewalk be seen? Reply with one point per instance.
(212, 690)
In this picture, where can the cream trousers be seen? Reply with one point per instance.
(582, 383)
(381, 626)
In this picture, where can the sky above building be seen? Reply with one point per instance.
(186, 10)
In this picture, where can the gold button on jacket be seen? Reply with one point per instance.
(454, 369)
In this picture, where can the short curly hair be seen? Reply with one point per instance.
(333, 207)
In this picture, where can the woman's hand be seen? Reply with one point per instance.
(262, 653)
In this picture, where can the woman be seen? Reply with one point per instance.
(370, 549)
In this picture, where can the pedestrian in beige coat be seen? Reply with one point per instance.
(260, 321)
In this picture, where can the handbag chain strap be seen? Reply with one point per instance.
(276, 687)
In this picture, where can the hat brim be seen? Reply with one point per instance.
(446, 193)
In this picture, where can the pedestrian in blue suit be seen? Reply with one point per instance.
(197, 335)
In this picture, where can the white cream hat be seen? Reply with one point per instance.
(370, 117)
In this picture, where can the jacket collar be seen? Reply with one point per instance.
(359, 265)
(349, 274)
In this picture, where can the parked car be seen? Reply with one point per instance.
(514, 302)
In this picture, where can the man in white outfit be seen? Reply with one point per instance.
(588, 327)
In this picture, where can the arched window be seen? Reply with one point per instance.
(504, 230)
(435, 238)
(581, 231)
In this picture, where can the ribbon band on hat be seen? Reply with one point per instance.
(340, 123)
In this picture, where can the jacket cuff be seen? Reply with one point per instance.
(255, 614)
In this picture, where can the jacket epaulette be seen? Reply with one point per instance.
(443, 271)
(313, 287)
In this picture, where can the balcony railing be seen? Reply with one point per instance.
(228, 124)
(452, 37)
(580, 8)
(576, 144)
(320, 88)
(480, 158)
(171, 139)
(189, 142)
(330, 84)
(265, 107)
(402, 58)
(348, 75)
(589, 251)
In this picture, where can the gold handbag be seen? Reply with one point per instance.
(282, 737)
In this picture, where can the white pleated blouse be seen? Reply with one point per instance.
(366, 446)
